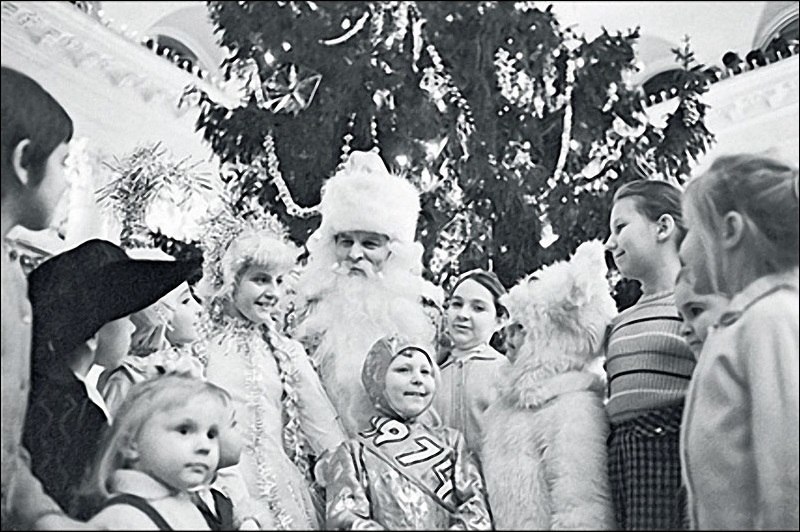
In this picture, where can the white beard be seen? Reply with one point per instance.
(349, 318)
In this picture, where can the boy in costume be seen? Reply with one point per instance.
(35, 133)
(400, 473)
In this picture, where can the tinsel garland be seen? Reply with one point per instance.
(245, 335)
(346, 143)
(294, 439)
(140, 178)
(566, 134)
(515, 85)
(465, 123)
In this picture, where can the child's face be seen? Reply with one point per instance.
(44, 197)
(114, 342)
(363, 253)
(180, 446)
(699, 312)
(187, 310)
(231, 441)
(410, 383)
(472, 315)
(632, 241)
(257, 294)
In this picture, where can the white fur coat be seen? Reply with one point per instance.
(545, 466)
(544, 450)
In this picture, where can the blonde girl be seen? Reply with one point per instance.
(739, 447)
(283, 414)
(648, 362)
(163, 445)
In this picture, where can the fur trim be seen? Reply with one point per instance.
(364, 196)
(148, 254)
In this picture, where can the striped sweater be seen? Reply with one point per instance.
(648, 362)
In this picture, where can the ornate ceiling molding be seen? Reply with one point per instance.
(747, 95)
(60, 30)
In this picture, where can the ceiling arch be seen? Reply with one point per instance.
(191, 27)
(774, 18)
(654, 56)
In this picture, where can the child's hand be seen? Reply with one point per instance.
(249, 524)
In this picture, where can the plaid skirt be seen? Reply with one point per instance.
(644, 470)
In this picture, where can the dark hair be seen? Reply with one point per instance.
(655, 199)
(29, 112)
(764, 191)
(489, 281)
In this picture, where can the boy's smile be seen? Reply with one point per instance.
(410, 383)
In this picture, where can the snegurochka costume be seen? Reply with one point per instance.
(400, 473)
(283, 412)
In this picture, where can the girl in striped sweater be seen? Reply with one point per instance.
(648, 362)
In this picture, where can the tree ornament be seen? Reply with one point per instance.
(566, 132)
(290, 89)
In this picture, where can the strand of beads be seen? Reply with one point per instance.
(277, 179)
(566, 133)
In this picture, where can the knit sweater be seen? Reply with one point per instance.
(648, 362)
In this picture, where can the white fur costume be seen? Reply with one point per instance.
(544, 450)
(345, 315)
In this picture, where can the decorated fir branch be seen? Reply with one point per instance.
(146, 183)
(536, 121)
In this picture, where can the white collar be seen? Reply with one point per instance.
(141, 484)
(94, 395)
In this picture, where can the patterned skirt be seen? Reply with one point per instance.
(644, 470)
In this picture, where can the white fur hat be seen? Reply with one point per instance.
(364, 196)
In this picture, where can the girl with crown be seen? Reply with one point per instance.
(283, 412)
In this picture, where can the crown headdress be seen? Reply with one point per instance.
(224, 227)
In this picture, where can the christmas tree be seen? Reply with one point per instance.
(513, 127)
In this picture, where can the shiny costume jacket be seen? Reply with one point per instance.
(405, 475)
